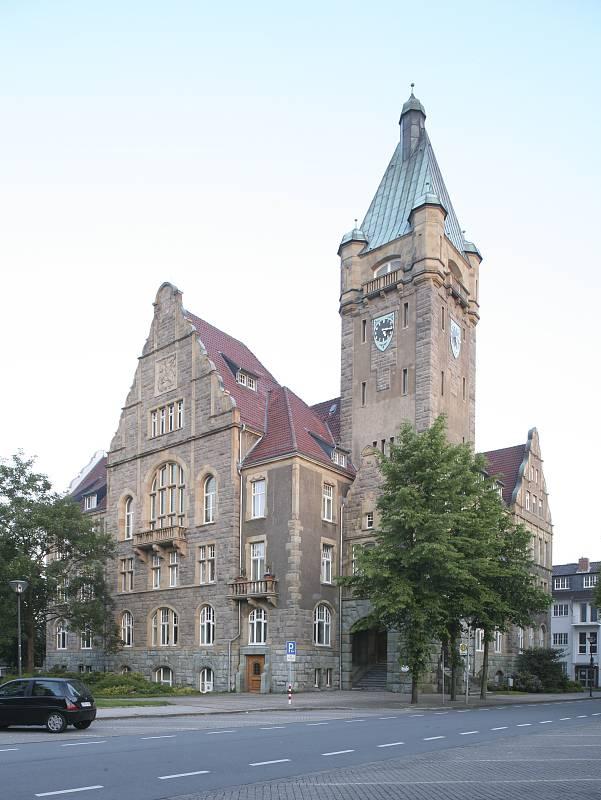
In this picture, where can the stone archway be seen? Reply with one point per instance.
(369, 658)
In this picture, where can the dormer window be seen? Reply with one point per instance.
(90, 501)
(246, 379)
(339, 458)
(389, 266)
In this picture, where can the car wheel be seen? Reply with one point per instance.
(81, 726)
(56, 722)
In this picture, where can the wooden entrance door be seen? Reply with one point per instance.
(254, 668)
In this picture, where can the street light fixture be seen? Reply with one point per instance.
(19, 587)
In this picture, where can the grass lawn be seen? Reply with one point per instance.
(119, 702)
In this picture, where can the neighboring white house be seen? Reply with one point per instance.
(575, 619)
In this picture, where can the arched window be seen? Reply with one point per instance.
(129, 518)
(61, 635)
(164, 675)
(164, 627)
(86, 637)
(322, 625)
(389, 266)
(210, 498)
(206, 680)
(207, 625)
(127, 629)
(167, 496)
(257, 626)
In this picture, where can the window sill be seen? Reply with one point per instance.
(206, 583)
(323, 645)
(329, 521)
(327, 583)
(166, 433)
(209, 522)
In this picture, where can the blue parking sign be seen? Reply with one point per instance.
(291, 648)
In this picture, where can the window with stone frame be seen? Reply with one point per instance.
(164, 675)
(128, 530)
(257, 626)
(479, 640)
(206, 680)
(173, 568)
(86, 638)
(127, 574)
(167, 496)
(210, 499)
(257, 561)
(207, 625)
(369, 520)
(327, 559)
(127, 629)
(327, 502)
(61, 635)
(258, 498)
(498, 641)
(322, 625)
(156, 571)
(206, 563)
(167, 418)
(164, 628)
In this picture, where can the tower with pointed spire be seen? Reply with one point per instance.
(408, 302)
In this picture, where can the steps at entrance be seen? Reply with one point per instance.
(374, 678)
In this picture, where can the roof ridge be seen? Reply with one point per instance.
(289, 412)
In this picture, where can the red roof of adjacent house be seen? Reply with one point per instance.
(93, 482)
(329, 412)
(506, 463)
(289, 425)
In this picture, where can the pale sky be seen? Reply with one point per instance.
(227, 149)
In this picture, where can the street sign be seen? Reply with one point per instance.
(290, 657)
(290, 648)
(463, 649)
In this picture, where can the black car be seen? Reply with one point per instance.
(53, 702)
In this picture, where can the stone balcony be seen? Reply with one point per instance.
(172, 537)
(457, 290)
(264, 589)
(382, 284)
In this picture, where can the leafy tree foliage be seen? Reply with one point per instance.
(446, 550)
(46, 540)
(545, 664)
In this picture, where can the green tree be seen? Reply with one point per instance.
(62, 553)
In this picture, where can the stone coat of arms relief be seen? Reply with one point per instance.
(165, 374)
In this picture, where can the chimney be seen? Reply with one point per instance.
(584, 565)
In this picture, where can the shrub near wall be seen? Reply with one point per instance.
(540, 670)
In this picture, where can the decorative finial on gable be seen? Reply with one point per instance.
(412, 88)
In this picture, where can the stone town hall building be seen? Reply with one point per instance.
(235, 505)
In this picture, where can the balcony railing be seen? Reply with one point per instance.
(160, 536)
(266, 588)
(457, 290)
(383, 283)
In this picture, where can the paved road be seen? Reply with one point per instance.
(144, 760)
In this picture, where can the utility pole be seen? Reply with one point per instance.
(19, 587)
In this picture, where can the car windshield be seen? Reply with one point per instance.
(77, 688)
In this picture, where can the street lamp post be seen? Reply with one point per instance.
(19, 587)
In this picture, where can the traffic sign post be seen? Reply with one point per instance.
(290, 658)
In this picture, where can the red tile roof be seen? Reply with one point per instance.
(506, 463)
(228, 354)
(329, 412)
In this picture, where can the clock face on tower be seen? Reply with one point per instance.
(383, 328)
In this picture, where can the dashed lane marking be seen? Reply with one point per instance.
(416, 715)
(265, 763)
(391, 744)
(432, 738)
(80, 744)
(354, 720)
(183, 774)
(212, 733)
(273, 727)
(337, 752)
(314, 724)
(8, 749)
(563, 719)
(524, 725)
(500, 728)
(69, 791)
(545, 721)
(164, 736)
(468, 733)
(386, 717)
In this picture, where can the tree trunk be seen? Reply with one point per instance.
(414, 693)
(484, 675)
(454, 662)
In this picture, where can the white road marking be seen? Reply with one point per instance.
(431, 738)
(212, 733)
(391, 744)
(596, 714)
(264, 763)
(562, 719)
(80, 744)
(468, 733)
(582, 716)
(8, 749)
(354, 720)
(500, 728)
(416, 715)
(463, 710)
(313, 724)
(484, 709)
(386, 717)
(524, 725)
(69, 791)
(272, 727)
(337, 752)
(438, 713)
(545, 721)
(183, 774)
(165, 736)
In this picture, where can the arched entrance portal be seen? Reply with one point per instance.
(370, 650)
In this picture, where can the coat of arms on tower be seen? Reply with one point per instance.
(165, 376)
(455, 338)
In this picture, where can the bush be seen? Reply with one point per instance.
(114, 684)
(573, 686)
(545, 664)
(527, 682)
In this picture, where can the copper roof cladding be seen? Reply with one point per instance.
(506, 463)
(93, 482)
(228, 354)
(403, 183)
(289, 425)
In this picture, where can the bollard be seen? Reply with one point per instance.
(289, 694)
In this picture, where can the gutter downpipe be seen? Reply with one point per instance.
(340, 565)
(237, 636)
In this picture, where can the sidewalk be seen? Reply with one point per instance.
(320, 701)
